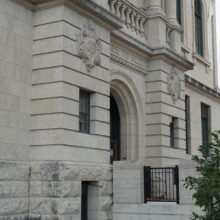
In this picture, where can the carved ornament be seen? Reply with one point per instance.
(174, 85)
(89, 46)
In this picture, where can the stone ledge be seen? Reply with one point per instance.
(202, 87)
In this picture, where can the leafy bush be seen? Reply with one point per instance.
(207, 185)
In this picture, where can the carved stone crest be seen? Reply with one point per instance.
(174, 85)
(89, 46)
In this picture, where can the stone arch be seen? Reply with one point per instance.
(125, 94)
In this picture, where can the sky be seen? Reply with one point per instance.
(218, 36)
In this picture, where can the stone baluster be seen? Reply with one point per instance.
(132, 20)
(142, 20)
(137, 25)
(112, 6)
(168, 29)
(117, 9)
(123, 8)
(127, 17)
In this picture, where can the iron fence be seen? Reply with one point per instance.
(161, 184)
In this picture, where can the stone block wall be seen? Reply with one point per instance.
(165, 99)
(128, 184)
(52, 190)
(195, 128)
(15, 80)
(15, 100)
(55, 190)
(58, 75)
(14, 190)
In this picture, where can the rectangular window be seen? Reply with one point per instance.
(178, 11)
(187, 115)
(84, 112)
(173, 132)
(205, 122)
(84, 201)
(199, 27)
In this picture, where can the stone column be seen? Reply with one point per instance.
(171, 11)
(160, 108)
(175, 34)
(154, 7)
(154, 3)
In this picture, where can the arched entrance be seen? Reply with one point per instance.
(115, 130)
(124, 112)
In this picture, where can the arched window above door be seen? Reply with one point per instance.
(199, 27)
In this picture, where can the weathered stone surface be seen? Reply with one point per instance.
(55, 206)
(54, 171)
(10, 206)
(60, 171)
(55, 188)
(106, 215)
(106, 188)
(61, 217)
(47, 171)
(10, 170)
(13, 189)
(105, 203)
(16, 217)
(95, 173)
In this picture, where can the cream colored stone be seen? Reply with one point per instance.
(41, 73)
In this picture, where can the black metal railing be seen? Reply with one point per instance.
(161, 184)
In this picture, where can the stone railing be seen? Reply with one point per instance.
(132, 17)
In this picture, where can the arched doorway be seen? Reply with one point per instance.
(115, 130)
(125, 130)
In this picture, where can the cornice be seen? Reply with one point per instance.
(95, 10)
(202, 87)
(26, 3)
(163, 52)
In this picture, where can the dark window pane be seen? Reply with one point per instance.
(199, 27)
(187, 114)
(173, 132)
(84, 201)
(178, 11)
(84, 111)
(205, 122)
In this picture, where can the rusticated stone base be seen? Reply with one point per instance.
(52, 190)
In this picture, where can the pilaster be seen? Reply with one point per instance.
(175, 31)
(165, 94)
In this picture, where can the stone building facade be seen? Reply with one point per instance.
(91, 92)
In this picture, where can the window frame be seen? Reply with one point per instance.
(88, 96)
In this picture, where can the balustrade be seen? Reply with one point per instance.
(132, 17)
